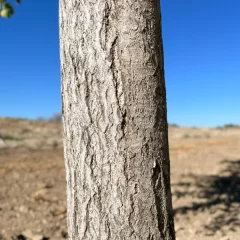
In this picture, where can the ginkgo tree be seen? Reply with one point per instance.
(115, 132)
(6, 8)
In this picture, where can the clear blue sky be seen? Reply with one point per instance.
(202, 61)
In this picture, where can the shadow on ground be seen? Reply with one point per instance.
(218, 195)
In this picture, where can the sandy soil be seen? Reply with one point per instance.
(205, 175)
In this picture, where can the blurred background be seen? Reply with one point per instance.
(201, 52)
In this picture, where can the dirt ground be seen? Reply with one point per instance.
(205, 175)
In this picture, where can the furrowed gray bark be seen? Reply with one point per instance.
(115, 123)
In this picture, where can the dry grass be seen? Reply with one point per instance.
(205, 176)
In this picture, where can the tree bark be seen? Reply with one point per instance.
(115, 120)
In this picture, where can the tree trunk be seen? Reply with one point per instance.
(114, 117)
